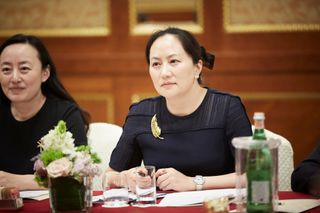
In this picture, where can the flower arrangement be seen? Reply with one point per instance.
(60, 158)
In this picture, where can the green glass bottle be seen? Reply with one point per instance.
(259, 170)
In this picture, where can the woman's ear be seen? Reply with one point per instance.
(45, 74)
(198, 68)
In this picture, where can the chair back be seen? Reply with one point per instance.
(285, 160)
(103, 137)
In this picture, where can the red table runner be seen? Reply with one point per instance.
(32, 206)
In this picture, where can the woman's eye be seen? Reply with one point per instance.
(174, 61)
(155, 64)
(24, 69)
(5, 70)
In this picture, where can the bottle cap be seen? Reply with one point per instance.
(258, 116)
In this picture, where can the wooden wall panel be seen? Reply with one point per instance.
(127, 88)
(100, 106)
(278, 73)
(94, 94)
(292, 118)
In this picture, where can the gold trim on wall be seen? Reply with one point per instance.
(108, 98)
(279, 95)
(45, 18)
(148, 28)
(136, 97)
(58, 32)
(231, 27)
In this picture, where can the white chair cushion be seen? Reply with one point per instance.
(103, 137)
(285, 160)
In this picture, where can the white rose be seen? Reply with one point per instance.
(60, 167)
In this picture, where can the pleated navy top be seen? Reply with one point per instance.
(196, 144)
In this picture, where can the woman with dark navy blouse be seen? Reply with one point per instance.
(186, 132)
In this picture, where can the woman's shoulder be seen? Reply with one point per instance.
(146, 106)
(59, 102)
(222, 94)
(60, 105)
(221, 98)
(139, 116)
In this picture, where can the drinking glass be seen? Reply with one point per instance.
(145, 185)
(114, 196)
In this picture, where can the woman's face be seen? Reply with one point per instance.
(21, 73)
(171, 68)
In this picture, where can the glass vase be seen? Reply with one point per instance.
(68, 194)
(242, 145)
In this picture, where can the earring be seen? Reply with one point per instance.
(196, 76)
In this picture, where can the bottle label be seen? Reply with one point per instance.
(260, 191)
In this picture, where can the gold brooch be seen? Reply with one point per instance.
(156, 131)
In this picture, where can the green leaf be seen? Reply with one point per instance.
(49, 155)
(95, 158)
(83, 148)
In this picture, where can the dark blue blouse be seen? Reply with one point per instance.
(199, 143)
(306, 177)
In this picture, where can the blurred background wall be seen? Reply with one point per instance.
(267, 52)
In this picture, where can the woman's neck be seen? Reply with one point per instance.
(24, 110)
(187, 104)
